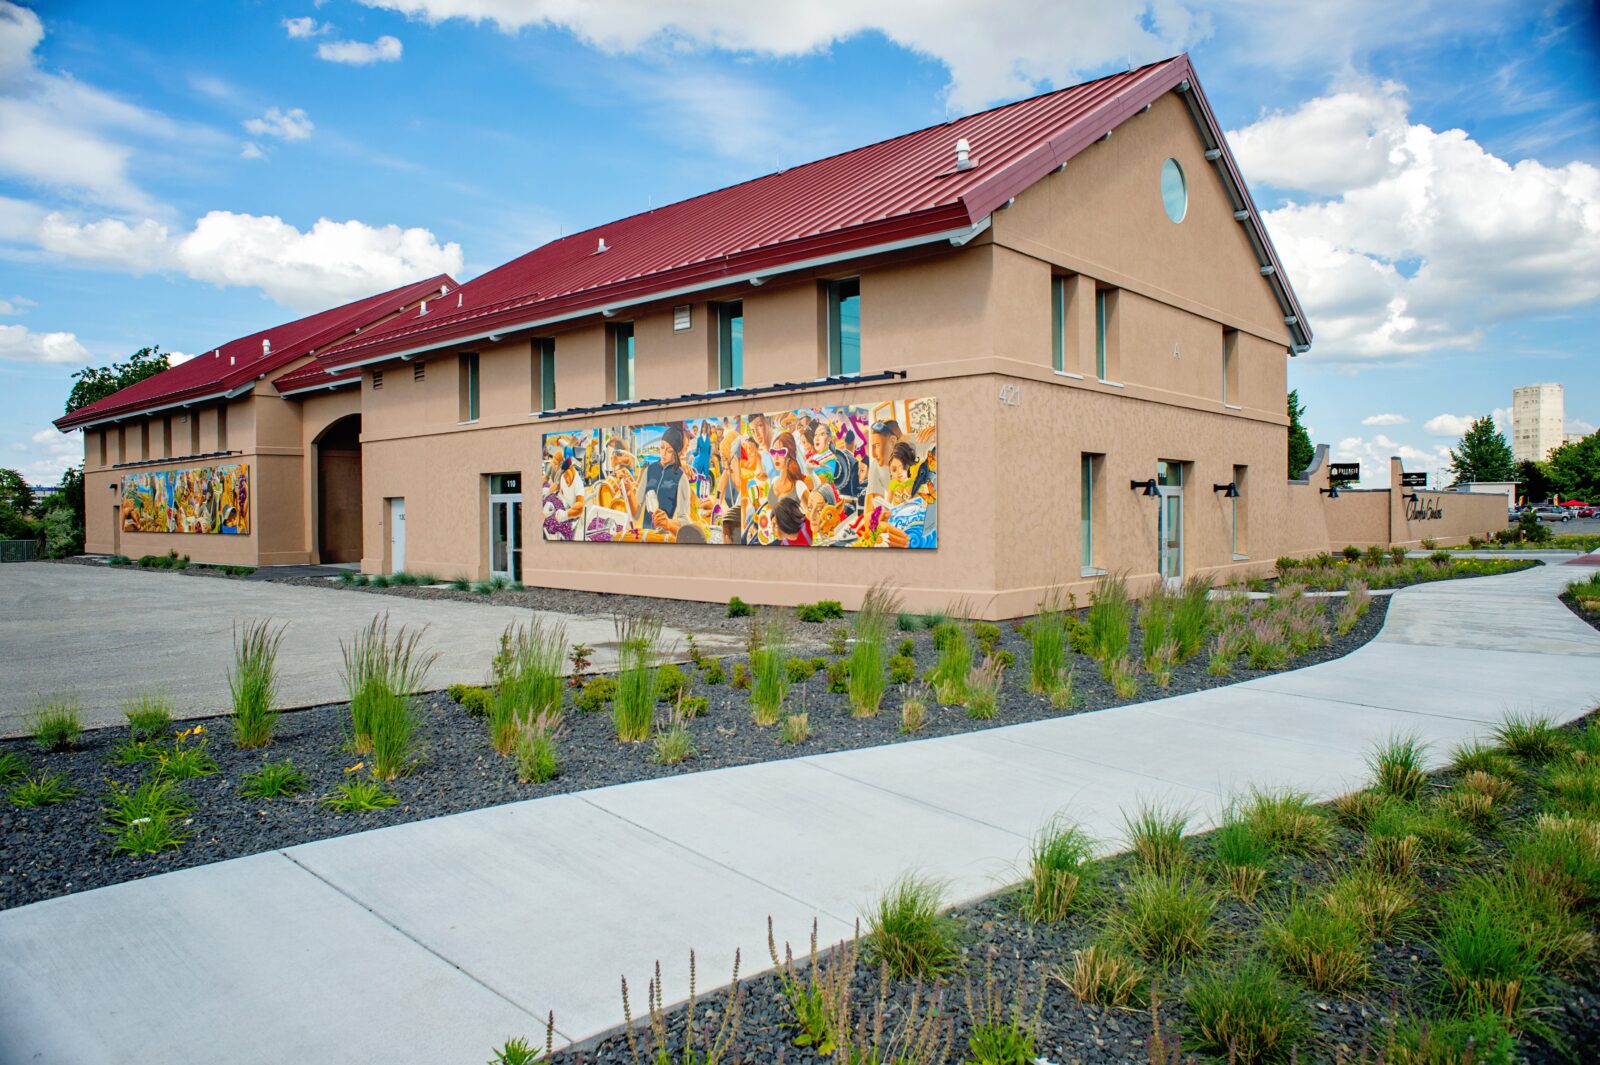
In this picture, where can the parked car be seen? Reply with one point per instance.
(1553, 513)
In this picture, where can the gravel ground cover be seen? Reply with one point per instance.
(1401, 989)
(52, 850)
(1582, 597)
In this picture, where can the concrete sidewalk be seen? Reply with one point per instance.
(103, 634)
(434, 941)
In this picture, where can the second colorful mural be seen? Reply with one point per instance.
(206, 499)
(847, 476)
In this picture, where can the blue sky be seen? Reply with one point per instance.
(188, 172)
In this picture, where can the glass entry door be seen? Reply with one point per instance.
(505, 526)
(1169, 534)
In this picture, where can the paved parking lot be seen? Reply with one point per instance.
(102, 635)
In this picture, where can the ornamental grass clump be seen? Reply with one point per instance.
(1378, 904)
(633, 708)
(147, 819)
(1563, 852)
(795, 728)
(866, 678)
(1530, 738)
(1266, 643)
(41, 789)
(1047, 645)
(1156, 645)
(1061, 871)
(1393, 843)
(954, 665)
(1192, 617)
(1247, 1014)
(1164, 917)
(1485, 961)
(1156, 838)
(1241, 854)
(1325, 948)
(1104, 975)
(983, 690)
(1482, 758)
(55, 724)
(914, 707)
(672, 745)
(1109, 622)
(382, 674)
(356, 795)
(538, 755)
(274, 779)
(527, 680)
(148, 716)
(770, 682)
(1399, 768)
(1003, 1029)
(253, 682)
(1289, 821)
(908, 933)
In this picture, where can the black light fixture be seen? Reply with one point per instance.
(1149, 487)
(1229, 490)
(1409, 495)
(1331, 493)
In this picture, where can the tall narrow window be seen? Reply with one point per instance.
(144, 439)
(102, 434)
(469, 387)
(1086, 515)
(194, 432)
(844, 326)
(622, 370)
(1101, 313)
(1058, 322)
(222, 427)
(1230, 366)
(730, 345)
(166, 437)
(122, 444)
(1240, 515)
(544, 374)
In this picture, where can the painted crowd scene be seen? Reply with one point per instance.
(206, 499)
(863, 475)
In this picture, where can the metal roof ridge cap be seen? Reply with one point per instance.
(734, 278)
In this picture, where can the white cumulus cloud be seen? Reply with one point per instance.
(1451, 425)
(304, 26)
(20, 344)
(291, 125)
(1374, 453)
(1385, 419)
(385, 49)
(1410, 239)
(331, 263)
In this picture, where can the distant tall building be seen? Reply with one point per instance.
(1538, 421)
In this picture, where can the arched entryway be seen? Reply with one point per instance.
(339, 491)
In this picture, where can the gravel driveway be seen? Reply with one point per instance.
(102, 634)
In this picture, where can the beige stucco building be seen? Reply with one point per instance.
(1538, 421)
(1079, 285)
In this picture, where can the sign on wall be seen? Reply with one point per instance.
(205, 499)
(863, 475)
(1414, 480)
(1344, 472)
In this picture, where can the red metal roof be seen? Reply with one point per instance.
(238, 362)
(896, 190)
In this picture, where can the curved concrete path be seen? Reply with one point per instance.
(103, 634)
(433, 941)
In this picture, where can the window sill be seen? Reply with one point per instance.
(1232, 406)
(468, 421)
(1090, 571)
(1110, 383)
(1241, 558)
(1069, 373)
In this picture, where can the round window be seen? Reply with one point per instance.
(1174, 191)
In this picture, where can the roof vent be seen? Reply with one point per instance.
(601, 246)
(444, 290)
(266, 347)
(963, 155)
(458, 297)
(230, 360)
(424, 308)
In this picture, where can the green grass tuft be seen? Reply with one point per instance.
(55, 724)
(42, 789)
(356, 795)
(1246, 1013)
(274, 779)
(253, 682)
(908, 933)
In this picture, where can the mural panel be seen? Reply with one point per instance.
(206, 499)
(862, 475)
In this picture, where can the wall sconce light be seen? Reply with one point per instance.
(1229, 490)
(1148, 487)
(1331, 493)
(1408, 495)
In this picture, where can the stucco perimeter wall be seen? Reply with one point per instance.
(1385, 517)
(1359, 518)
(1009, 500)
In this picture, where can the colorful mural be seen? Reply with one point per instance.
(207, 499)
(850, 476)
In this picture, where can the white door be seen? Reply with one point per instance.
(397, 535)
(1169, 525)
(505, 536)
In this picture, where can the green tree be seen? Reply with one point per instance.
(1483, 454)
(1575, 469)
(1533, 481)
(95, 383)
(1300, 449)
(15, 493)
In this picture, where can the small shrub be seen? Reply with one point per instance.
(908, 934)
(1156, 838)
(477, 702)
(357, 795)
(1164, 918)
(43, 789)
(797, 670)
(839, 677)
(907, 649)
(672, 745)
(148, 716)
(253, 682)
(274, 779)
(738, 608)
(1323, 947)
(1532, 739)
(1399, 768)
(795, 728)
(1102, 975)
(670, 683)
(1061, 870)
(820, 611)
(693, 706)
(902, 669)
(538, 756)
(1246, 1013)
(714, 673)
(741, 676)
(594, 696)
(55, 724)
